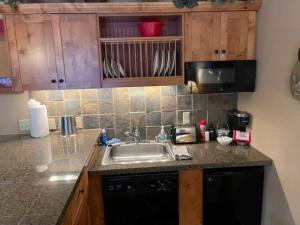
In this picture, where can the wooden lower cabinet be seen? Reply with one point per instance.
(83, 217)
(77, 212)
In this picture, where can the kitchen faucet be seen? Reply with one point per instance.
(135, 135)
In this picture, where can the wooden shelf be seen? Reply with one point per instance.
(126, 7)
(145, 81)
(140, 39)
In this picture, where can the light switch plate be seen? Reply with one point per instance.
(24, 125)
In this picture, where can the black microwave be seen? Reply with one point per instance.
(221, 76)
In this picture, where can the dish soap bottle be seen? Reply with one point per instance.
(103, 138)
(162, 137)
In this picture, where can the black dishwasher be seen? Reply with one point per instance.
(148, 199)
(233, 196)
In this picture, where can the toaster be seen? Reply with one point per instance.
(184, 134)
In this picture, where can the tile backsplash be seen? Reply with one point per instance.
(119, 109)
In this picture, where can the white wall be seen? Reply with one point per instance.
(276, 115)
(12, 108)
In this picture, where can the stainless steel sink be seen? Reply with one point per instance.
(138, 153)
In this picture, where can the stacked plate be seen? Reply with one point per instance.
(113, 69)
(163, 62)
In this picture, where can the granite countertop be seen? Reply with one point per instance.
(206, 155)
(38, 176)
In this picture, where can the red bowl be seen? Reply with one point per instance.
(150, 29)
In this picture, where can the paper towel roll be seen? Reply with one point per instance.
(38, 118)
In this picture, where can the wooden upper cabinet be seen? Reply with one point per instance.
(214, 36)
(79, 35)
(202, 35)
(35, 47)
(57, 51)
(238, 30)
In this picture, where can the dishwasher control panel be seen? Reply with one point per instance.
(141, 183)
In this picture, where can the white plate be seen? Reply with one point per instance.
(168, 62)
(162, 63)
(155, 63)
(173, 63)
(109, 71)
(105, 69)
(121, 70)
(115, 68)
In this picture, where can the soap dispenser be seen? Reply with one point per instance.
(162, 137)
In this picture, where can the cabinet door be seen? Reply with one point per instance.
(9, 74)
(82, 217)
(79, 36)
(202, 36)
(238, 35)
(35, 47)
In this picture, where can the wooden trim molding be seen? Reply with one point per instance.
(14, 58)
(129, 7)
(191, 197)
(95, 201)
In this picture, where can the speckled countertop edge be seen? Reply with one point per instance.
(204, 156)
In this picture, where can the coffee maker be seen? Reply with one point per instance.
(238, 120)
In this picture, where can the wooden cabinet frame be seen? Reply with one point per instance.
(133, 7)
(61, 10)
(13, 54)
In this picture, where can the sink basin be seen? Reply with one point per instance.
(138, 153)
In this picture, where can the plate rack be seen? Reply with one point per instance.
(141, 58)
(131, 60)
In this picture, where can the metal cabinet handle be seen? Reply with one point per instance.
(216, 51)
(61, 80)
(81, 191)
(53, 81)
(223, 51)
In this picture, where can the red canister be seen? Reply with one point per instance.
(202, 124)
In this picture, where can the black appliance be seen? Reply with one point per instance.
(221, 76)
(148, 199)
(238, 120)
(233, 196)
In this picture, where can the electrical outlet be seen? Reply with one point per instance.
(52, 124)
(24, 125)
(79, 122)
